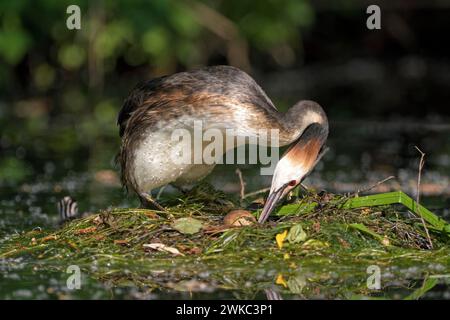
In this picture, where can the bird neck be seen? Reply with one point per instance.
(301, 116)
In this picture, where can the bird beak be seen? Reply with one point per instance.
(271, 203)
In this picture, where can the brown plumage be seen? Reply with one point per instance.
(222, 97)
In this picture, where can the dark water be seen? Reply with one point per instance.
(361, 154)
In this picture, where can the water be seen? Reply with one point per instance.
(362, 153)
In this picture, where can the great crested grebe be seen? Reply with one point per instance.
(222, 97)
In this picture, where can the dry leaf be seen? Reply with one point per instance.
(72, 245)
(316, 226)
(344, 243)
(98, 220)
(152, 215)
(162, 247)
(195, 250)
(121, 242)
(85, 230)
(49, 238)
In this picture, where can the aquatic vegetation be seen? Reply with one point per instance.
(318, 246)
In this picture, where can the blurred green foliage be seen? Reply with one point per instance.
(161, 34)
(13, 170)
(61, 89)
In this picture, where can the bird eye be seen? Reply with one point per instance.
(292, 183)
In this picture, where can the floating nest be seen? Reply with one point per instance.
(314, 241)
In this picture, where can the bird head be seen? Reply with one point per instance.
(298, 161)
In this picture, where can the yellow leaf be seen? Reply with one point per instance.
(286, 256)
(386, 241)
(280, 238)
(280, 280)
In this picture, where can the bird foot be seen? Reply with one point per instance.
(149, 203)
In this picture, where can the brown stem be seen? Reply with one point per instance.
(421, 164)
(242, 183)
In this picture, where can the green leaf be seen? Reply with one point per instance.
(364, 229)
(315, 244)
(296, 234)
(427, 285)
(187, 225)
(381, 199)
(397, 197)
(297, 283)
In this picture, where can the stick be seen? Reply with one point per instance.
(242, 183)
(421, 164)
(373, 186)
(254, 193)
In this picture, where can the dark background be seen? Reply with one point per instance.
(384, 90)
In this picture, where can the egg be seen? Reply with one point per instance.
(239, 218)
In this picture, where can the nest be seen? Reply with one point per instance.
(154, 250)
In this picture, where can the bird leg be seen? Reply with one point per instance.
(149, 203)
(183, 190)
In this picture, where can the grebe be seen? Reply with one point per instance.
(68, 210)
(222, 97)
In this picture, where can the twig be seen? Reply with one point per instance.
(254, 193)
(372, 186)
(421, 164)
(242, 188)
(242, 183)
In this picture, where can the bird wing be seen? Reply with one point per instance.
(226, 81)
(136, 99)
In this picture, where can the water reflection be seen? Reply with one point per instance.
(360, 155)
(28, 280)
